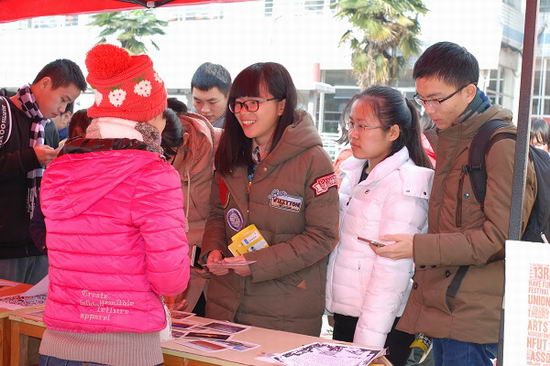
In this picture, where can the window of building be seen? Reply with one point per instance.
(314, 6)
(191, 12)
(495, 86)
(268, 8)
(334, 104)
(319, 6)
(541, 88)
(71, 20)
(44, 22)
(516, 3)
(204, 12)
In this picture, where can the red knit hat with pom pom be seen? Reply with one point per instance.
(125, 86)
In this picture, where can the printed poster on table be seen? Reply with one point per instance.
(527, 304)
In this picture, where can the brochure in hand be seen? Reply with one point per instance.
(228, 265)
(247, 240)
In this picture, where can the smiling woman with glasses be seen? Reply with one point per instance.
(271, 171)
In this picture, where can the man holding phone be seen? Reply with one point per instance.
(23, 157)
(461, 314)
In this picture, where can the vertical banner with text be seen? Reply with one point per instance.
(527, 304)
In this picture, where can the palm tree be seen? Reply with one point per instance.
(383, 37)
(130, 26)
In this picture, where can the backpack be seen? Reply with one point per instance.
(5, 121)
(538, 225)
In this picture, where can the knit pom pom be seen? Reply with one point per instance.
(104, 61)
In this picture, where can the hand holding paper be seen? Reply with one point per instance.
(239, 265)
(215, 257)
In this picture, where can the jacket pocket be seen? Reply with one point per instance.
(432, 285)
(292, 279)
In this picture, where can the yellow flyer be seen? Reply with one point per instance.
(247, 240)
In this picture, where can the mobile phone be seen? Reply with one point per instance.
(196, 256)
(376, 243)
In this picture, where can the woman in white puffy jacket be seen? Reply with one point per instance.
(385, 190)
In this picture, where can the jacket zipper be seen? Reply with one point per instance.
(458, 214)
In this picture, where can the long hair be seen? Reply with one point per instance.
(235, 149)
(172, 135)
(392, 109)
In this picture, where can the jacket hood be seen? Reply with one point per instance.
(198, 155)
(74, 182)
(301, 135)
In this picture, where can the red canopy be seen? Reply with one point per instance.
(11, 10)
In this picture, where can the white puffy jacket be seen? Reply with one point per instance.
(393, 199)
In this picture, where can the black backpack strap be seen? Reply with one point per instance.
(5, 121)
(481, 143)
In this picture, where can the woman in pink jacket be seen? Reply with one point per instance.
(115, 222)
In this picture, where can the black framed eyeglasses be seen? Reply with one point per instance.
(434, 103)
(251, 105)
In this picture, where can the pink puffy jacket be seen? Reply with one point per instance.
(116, 241)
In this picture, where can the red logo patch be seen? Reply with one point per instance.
(324, 183)
(224, 193)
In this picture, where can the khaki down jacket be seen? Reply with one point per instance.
(293, 201)
(460, 232)
(194, 162)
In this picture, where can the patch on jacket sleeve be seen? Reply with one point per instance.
(234, 219)
(324, 183)
(283, 201)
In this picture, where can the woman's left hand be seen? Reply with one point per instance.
(241, 270)
(401, 249)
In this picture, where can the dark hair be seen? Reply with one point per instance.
(392, 109)
(177, 105)
(540, 131)
(449, 62)
(79, 119)
(6, 93)
(63, 72)
(235, 149)
(172, 135)
(210, 75)
(344, 138)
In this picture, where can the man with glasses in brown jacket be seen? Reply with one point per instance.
(463, 317)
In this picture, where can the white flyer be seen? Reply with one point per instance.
(527, 304)
(329, 354)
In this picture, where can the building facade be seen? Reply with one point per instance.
(303, 35)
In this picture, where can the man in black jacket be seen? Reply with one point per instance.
(23, 156)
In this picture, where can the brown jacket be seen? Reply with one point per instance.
(287, 288)
(194, 162)
(461, 233)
